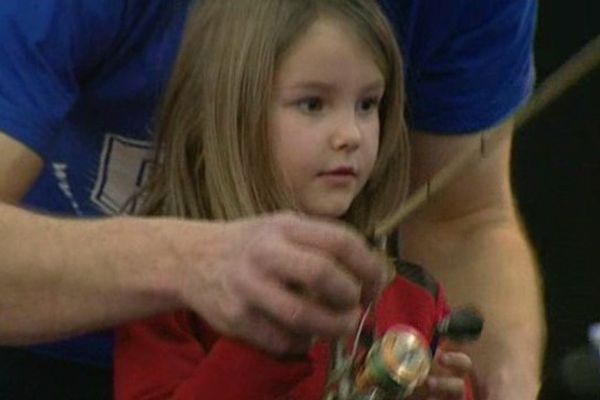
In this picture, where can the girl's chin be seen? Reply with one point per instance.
(331, 213)
(326, 207)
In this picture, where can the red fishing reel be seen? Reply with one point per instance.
(400, 360)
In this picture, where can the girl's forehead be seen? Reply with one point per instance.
(329, 40)
(331, 28)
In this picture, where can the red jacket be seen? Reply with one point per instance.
(179, 356)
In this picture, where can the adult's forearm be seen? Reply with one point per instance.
(64, 277)
(61, 277)
(485, 260)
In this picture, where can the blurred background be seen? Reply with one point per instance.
(556, 175)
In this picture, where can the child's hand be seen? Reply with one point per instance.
(446, 380)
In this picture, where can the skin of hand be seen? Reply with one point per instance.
(60, 277)
(446, 380)
(470, 237)
(252, 289)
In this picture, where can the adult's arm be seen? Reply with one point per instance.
(60, 277)
(471, 237)
(54, 279)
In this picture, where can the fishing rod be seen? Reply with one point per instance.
(579, 65)
(400, 360)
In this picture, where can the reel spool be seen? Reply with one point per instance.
(400, 361)
(395, 365)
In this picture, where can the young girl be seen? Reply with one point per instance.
(275, 105)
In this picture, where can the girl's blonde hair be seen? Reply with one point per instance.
(215, 159)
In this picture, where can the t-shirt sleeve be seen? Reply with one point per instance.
(469, 63)
(48, 48)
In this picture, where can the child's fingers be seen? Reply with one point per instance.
(457, 363)
(447, 377)
(449, 388)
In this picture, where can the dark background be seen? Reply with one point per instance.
(556, 164)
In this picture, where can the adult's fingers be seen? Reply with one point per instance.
(345, 245)
(267, 335)
(314, 273)
(296, 312)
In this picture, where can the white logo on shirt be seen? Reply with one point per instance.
(60, 173)
(122, 169)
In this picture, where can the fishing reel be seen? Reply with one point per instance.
(394, 366)
(400, 360)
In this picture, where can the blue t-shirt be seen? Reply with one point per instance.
(80, 82)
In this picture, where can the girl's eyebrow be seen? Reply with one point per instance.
(375, 85)
(317, 85)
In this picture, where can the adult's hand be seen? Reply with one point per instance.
(274, 281)
(278, 281)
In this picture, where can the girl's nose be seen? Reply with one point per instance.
(347, 135)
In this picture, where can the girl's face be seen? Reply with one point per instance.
(324, 121)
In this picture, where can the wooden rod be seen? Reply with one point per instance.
(579, 65)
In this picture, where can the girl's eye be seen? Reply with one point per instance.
(311, 104)
(369, 104)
